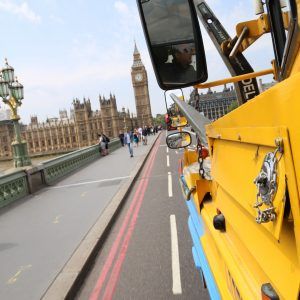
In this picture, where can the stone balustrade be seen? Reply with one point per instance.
(20, 183)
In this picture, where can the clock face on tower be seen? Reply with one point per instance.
(138, 77)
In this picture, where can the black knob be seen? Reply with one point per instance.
(219, 222)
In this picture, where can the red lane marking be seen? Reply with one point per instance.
(115, 274)
(114, 249)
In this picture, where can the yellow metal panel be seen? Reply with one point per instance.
(253, 253)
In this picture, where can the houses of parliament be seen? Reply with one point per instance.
(81, 128)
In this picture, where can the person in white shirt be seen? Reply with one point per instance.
(140, 131)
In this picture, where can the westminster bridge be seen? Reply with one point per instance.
(82, 226)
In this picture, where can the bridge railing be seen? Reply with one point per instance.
(18, 184)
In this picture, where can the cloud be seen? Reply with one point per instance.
(121, 7)
(22, 10)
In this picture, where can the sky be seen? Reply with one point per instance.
(62, 49)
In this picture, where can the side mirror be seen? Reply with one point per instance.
(174, 41)
(179, 140)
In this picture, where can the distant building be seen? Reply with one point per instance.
(81, 128)
(64, 134)
(141, 93)
(214, 105)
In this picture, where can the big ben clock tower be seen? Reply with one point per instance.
(140, 86)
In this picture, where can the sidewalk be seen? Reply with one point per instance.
(40, 233)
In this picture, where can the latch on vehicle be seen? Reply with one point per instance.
(266, 183)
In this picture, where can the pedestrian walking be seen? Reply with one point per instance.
(128, 141)
(101, 144)
(121, 137)
(136, 138)
(144, 135)
(106, 141)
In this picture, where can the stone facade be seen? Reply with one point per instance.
(141, 93)
(214, 105)
(63, 134)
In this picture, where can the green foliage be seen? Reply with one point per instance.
(159, 120)
(232, 106)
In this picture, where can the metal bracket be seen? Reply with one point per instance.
(266, 183)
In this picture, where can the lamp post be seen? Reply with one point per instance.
(125, 125)
(11, 92)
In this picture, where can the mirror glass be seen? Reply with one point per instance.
(174, 40)
(179, 140)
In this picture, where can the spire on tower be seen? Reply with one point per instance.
(137, 62)
(136, 51)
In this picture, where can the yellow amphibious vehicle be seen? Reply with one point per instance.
(243, 197)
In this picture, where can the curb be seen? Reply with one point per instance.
(66, 283)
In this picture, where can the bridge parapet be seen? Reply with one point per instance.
(13, 186)
(18, 184)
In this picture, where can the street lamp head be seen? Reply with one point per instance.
(4, 90)
(17, 90)
(8, 73)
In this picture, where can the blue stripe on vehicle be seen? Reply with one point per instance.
(195, 224)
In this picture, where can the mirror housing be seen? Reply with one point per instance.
(178, 140)
(174, 41)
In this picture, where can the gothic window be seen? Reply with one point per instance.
(49, 142)
(68, 140)
(31, 145)
(37, 144)
(43, 143)
(55, 141)
(108, 124)
(74, 139)
(61, 140)
(84, 137)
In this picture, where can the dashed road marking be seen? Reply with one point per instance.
(170, 188)
(177, 290)
(168, 161)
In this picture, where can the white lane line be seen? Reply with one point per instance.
(167, 149)
(89, 182)
(170, 188)
(168, 161)
(175, 257)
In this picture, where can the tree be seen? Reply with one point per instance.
(232, 106)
